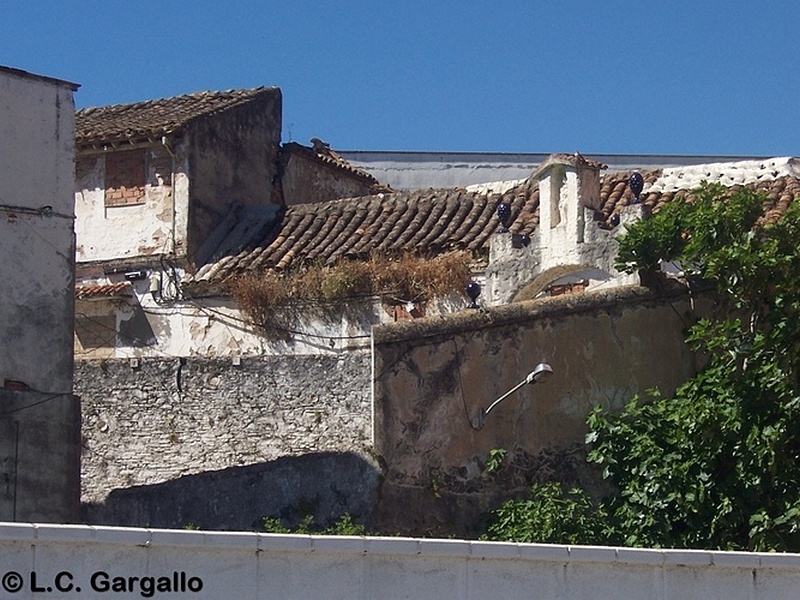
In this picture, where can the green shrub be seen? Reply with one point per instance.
(550, 516)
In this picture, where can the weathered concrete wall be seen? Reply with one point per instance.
(37, 125)
(307, 180)
(249, 565)
(433, 376)
(233, 160)
(171, 417)
(39, 457)
(39, 418)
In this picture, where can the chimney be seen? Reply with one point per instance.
(568, 185)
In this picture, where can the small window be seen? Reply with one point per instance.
(125, 178)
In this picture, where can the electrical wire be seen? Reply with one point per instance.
(48, 399)
(43, 211)
(282, 329)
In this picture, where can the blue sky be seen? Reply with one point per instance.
(625, 77)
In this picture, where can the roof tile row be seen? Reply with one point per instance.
(122, 289)
(428, 223)
(154, 118)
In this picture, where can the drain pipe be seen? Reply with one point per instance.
(165, 143)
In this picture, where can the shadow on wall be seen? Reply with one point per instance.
(325, 485)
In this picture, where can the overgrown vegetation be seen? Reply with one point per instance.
(271, 299)
(718, 464)
(344, 525)
(552, 515)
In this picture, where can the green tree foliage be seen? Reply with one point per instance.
(718, 464)
(551, 515)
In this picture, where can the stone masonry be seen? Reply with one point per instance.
(154, 420)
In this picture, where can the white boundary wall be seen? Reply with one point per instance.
(251, 565)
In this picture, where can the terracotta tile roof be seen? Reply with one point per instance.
(425, 222)
(122, 289)
(779, 192)
(433, 222)
(154, 118)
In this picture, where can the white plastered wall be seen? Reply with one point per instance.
(245, 565)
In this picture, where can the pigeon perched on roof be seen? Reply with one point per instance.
(323, 148)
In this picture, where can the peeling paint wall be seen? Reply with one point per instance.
(519, 271)
(190, 182)
(39, 423)
(139, 326)
(144, 228)
(433, 377)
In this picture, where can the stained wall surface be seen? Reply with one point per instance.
(37, 125)
(433, 377)
(39, 417)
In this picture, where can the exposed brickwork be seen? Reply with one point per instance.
(125, 178)
(567, 288)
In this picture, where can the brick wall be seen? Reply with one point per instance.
(125, 178)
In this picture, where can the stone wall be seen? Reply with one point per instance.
(219, 444)
(152, 420)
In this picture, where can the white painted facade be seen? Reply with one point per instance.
(105, 562)
(725, 173)
(215, 326)
(36, 230)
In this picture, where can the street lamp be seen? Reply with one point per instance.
(539, 373)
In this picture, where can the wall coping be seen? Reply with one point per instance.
(34, 533)
(524, 311)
